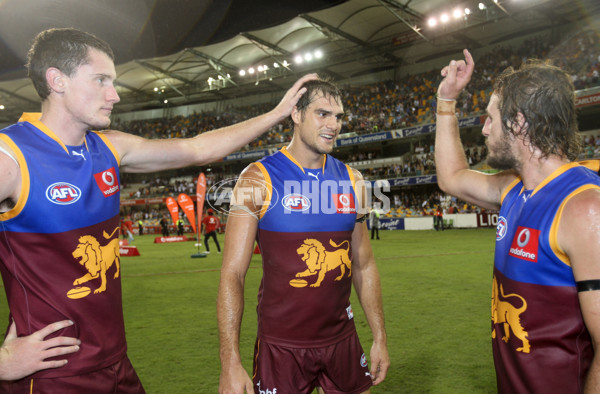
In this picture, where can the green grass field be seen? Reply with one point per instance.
(436, 291)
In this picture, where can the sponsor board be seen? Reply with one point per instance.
(176, 238)
(129, 251)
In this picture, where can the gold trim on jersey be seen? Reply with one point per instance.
(109, 144)
(509, 188)
(289, 156)
(267, 202)
(559, 171)
(34, 119)
(25, 181)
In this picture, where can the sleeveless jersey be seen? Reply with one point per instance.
(59, 246)
(304, 236)
(540, 342)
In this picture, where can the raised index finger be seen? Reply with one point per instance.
(469, 61)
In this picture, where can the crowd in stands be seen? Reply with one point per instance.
(398, 104)
(389, 105)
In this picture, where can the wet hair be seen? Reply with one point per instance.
(315, 88)
(65, 49)
(545, 95)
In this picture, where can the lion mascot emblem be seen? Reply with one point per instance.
(503, 312)
(320, 261)
(97, 259)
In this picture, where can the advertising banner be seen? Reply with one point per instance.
(187, 206)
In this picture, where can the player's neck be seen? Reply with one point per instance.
(305, 156)
(60, 123)
(536, 170)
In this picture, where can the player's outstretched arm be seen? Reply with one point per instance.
(143, 155)
(23, 356)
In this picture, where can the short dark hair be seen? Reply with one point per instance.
(313, 88)
(545, 95)
(65, 49)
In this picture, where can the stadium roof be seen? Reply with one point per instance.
(175, 46)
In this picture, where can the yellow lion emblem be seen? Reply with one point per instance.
(320, 261)
(97, 259)
(504, 312)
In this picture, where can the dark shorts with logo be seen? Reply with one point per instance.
(118, 378)
(338, 368)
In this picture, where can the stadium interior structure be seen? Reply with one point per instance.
(385, 54)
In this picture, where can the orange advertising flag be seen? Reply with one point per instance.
(173, 209)
(200, 195)
(187, 205)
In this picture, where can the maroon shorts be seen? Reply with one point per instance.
(338, 368)
(118, 378)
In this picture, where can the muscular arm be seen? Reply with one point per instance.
(240, 236)
(365, 278)
(144, 155)
(579, 238)
(453, 173)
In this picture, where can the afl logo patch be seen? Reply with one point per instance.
(501, 228)
(63, 193)
(295, 202)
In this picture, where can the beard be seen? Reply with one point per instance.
(500, 155)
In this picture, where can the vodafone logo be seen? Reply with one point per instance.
(295, 202)
(523, 237)
(344, 203)
(108, 178)
(525, 244)
(107, 182)
(63, 193)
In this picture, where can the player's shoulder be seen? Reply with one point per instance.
(357, 174)
(583, 208)
(253, 171)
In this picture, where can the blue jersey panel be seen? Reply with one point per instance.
(68, 188)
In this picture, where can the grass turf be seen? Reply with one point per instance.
(436, 291)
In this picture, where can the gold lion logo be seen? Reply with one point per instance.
(97, 259)
(320, 261)
(503, 312)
